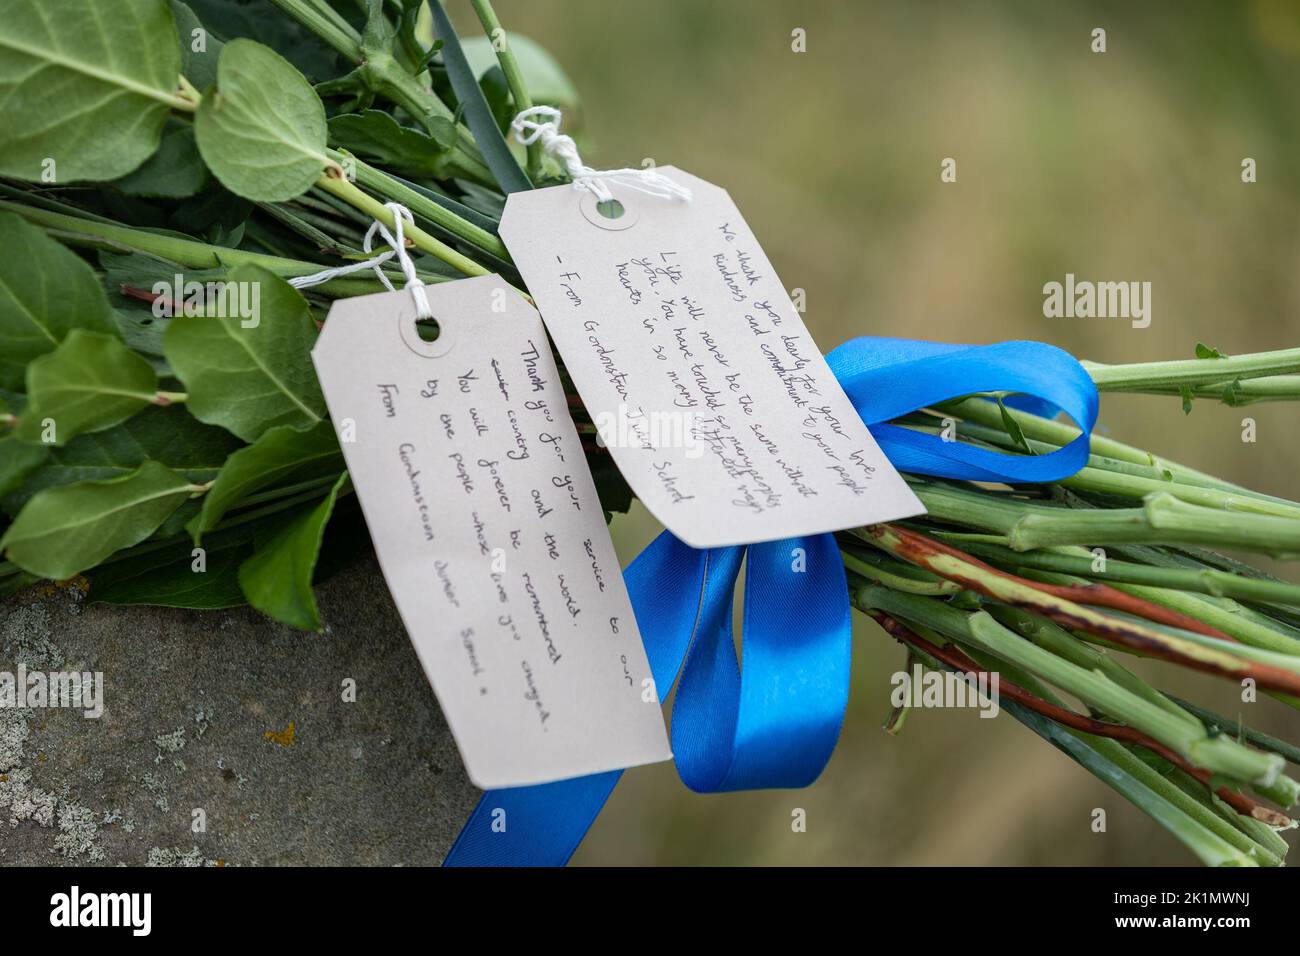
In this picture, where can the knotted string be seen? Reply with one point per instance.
(775, 722)
(546, 130)
(397, 241)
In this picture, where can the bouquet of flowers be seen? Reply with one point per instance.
(163, 163)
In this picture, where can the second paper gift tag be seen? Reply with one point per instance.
(698, 372)
(489, 532)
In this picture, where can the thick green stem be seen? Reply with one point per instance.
(1238, 729)
(1137, 487)
(1271, 388)
(1162, 519)
(388, 76)
(184, 252)
(1139, 376)
(1244, 628)
(1059, 433)
(896, 576)
(377, 181)
(350, 194)
(514, 76)
(1083, 563)
(1184, 735)
(322, 20)
(1214, 840)
(1259, 832)
(1057, 640)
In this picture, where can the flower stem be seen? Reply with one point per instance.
(184, 252)
(1059, 433)
(1141, 376)
(514, 76)
(1083, 563)
(349, 193)
(377, 181)
(1184, 735)
(1162, 519)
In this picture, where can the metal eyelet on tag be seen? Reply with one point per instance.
(590, 206)
(406, 327)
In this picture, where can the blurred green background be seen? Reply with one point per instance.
(1123, 165)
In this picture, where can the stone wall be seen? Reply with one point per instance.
(231, 714)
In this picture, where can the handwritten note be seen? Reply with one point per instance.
(489, 532)
(697, 370)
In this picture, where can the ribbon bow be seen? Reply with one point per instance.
(774, 722)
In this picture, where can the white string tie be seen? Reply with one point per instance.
(397, 241)
(542, 124)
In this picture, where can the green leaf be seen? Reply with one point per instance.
(139, 273)
(45, 292)
(166, 434)
(260, 20)
(374, 135)
(63, 531)
(262, 129)
(86, 85)
(496, 91)
(1204, 351)
(1186, 394)
(174, 171)
(1013, 429)
(90, 382)
(199, 66)
(248, 380)
(282, 456)
(496, 153)
(17, 459)
(277, 578)
(168, 578)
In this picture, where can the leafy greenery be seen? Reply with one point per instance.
(65, 530)
(166, 434)
(46, 291)
(281, 456)
(90, 382)
(277, 578)
(174, 171)
(90, 99)
(376, 136)
(262, 129)
(249, 375)
(150, 579)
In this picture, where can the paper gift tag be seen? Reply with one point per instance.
(700, 375)
(489, 531)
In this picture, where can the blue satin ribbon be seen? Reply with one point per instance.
(774, 721)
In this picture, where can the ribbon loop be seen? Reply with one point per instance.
(886, 378)
(771, 717)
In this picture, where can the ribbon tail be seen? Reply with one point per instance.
(532, 826)
(544, 824)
